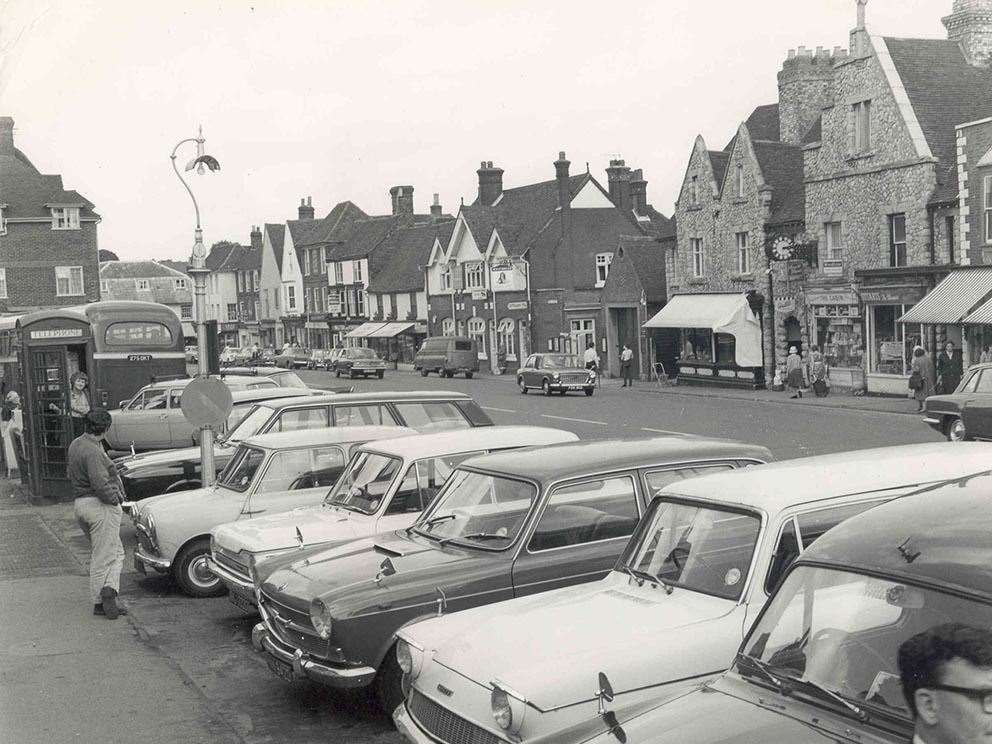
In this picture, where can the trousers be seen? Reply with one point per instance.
(626, 368)
(101, 523)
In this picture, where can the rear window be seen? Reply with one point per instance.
(432, 417)
(463, 346)
(474, 413)
(138, 333)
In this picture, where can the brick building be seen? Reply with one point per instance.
(247, 268)
(48, 241)
(150, 281)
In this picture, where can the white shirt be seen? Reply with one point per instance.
(590, 355)
(626, 355)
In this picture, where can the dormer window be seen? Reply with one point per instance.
(603, 261)
(179, 284)
(65, 218)
(142, 285)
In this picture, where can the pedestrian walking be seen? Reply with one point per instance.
(945, 673)
(819, 374)
(626, 366)
(922, 378)
(590, 357)
(795, 377)
(98, 494)
(948, 370)
(11, 433)
(986, 355)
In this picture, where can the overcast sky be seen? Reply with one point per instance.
(341, 100)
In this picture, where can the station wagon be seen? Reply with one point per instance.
(504, 525)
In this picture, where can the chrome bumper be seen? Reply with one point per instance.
(151, 561)
(305, 667)
(936, 423)
(228, 576)
(406, 726)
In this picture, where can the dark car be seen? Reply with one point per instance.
(427, 412)
(555, 373)
(967, 412)
(819, 665)
(448, 356)
(358, 360)
(292, 358)
(503, 526)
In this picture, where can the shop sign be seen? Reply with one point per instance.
(894, 295)
(478, 294)
(507, 277)
(516, 305)
(822, 297)
(58, 333)
(785, 304)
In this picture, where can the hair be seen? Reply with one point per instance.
(918, 351)
(921, 658)
(591, 345)
(793, 350)
(97, 421)
(814, 349)
(77, 375)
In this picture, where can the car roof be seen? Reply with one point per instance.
(559, 461)
(253, 371)
(779, 485)
(271, 393)
(184, 381)
(468, 440)
(374, 397)
(326, 435)
(939, 537)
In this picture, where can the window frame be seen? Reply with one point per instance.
(356, 271)
(834, 251)
(697, 256)
(179, 284)
(65, 218)
(861, 133)
(66, 273)
(743, 252)
(3, 283)
(290, 297)
(603, 263)
(987, 207)
(475, 275)
(894, 245)
(694, 190)
(739, 180)
(142, 285)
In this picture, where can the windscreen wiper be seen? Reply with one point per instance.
(484, 536)
(762, 667)
(641, 576)
(437, 520)
(858, 711)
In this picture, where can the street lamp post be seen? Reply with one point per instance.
(198, 268)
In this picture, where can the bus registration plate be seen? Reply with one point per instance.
(139, 357)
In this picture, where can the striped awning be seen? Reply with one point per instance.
(364, 330)
(390, 329)
(957, 295)
(981, 316)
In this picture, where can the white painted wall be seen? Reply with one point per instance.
(591, 197)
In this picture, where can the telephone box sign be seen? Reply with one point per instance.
(57, 333)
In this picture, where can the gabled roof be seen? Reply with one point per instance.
(363, 236)
(300, 231)
(249, 259)
(403, 254)
(138, 270)
(763, 124)
(329, 229)
(647, 259)
(224, 257)
(276, 238)
(180, 266)
(782, 168)
(718, 161)
(944, 90)
(26, 192)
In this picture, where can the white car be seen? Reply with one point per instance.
(672, 613)
(268, 473)
(385, 487)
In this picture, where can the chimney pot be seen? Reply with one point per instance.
(305, 209)
(490, 183)
(402, 199)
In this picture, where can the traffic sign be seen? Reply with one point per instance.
(206, 401)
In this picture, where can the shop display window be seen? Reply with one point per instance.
(891, 343)
(696, 344)
(725, 348)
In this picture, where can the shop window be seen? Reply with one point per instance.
(743, 254)
(477, 330)
(891, 343)
(603, 261)
(725, 348)
(696, 344)
(505, 337)
(447, 327)
(696, 253)
(897, 240)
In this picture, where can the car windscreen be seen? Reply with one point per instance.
(479, 509)
(289, 379)
(559, 361)
(250, 424)
(237, 413)
(241, 469)
(702, 548)
(840, 631)
(365, 482)
(362, 353)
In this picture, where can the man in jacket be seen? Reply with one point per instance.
(98, 493)
(948, 370)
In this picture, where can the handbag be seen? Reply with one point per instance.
(915, 381)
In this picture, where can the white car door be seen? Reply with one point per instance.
(146, 421)
(180, 430)
(297, 477)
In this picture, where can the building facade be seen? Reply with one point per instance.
(150, 281)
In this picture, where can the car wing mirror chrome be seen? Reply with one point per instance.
(386, 568)
(442, 600)
(605, 695)
(299, 536)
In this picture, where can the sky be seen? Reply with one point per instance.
(343, 99)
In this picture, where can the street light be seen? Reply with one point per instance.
(198, 268)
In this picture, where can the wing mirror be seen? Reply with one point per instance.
(605, 695)
(123, 404)
(386, 568)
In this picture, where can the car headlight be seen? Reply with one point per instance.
(554, 375)
(320, 616)
(502, 712)
(410, 658)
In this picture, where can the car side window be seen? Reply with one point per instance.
(432, 417)
(283, 470)
(364, 415)
(155, 400)
(984, 382)
(587, 512)
(422, 482)
(972, 382)
(303, 418)
(786, 551)
(814, 523)
(658, 479)
(325, 467)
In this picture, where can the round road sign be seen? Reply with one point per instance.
(206, 401)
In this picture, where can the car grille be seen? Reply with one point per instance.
(144, 543)
(574, 378)
(442, 724)
(231, 563)
(293, 627)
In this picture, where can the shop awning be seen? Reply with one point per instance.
(364, 330)
(390, 329)
(721, 313)
(982, 315)
(956, 296)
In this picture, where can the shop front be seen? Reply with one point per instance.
(836, 327)
(889, 339)
(718, 339)
(397, 342)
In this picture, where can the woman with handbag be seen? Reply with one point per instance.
(922, 378)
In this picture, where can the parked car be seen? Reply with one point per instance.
(267, 357)
(555, 373)
(385, 487)
(967, 412)
(231, 355)
(292, 358)
(282, 377)
(152, 419)
(448, 355)
(691, 581)
(819, 664)
(358, 360)
(317, 359)
(164, 471)
(192, 354)
(331, 616)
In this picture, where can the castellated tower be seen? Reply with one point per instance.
(805, 87)
(970, 24)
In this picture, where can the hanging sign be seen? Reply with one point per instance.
(506, 276)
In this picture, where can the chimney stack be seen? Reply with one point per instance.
(256, 238)
(618, 179)
(6, 135)
(859, 36)
(305, 209)
(970, 24)
(490, 183)
(561, 175)
(638, 192)
(402, 198)
(436, 209)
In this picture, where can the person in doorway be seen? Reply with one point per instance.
(11, 432)
(795, 377)
(627, 366)
(946, 675)
(948, 370)
(98, 494)
(922, 377)
(986, 355)
(590, 357)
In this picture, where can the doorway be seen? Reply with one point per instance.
(793, 333)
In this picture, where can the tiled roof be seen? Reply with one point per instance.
(639, 258)
(329, 229)
(277, 238)
(224, 257)
(763, 124)
(660, 226)
(944, 91)
(719, 162)
(180, 266)
(137, 270)
(782, 168)
(248, 260)
(25, 191)
(397, 265)
(363, 236)
(301, 230)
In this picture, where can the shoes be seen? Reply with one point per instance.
(793, 397)
(108, 597)
(98, 610)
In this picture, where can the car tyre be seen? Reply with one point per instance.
(448, 373)
(191, 573)
(522, 386)
(589, 391)
(424, 372)
(955, 430)
(388, 684)
(380, 374)
(468, 375)
(546, 387)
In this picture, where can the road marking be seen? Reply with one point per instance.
(660, 431)
(581, 421)
(494, 408)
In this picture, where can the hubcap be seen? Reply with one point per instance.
(200, 574)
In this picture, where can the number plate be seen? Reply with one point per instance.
(242, 601)
(281, 670)
(139, 357)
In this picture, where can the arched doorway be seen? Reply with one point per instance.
(793, 333)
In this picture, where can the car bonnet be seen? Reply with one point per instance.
(317, 524)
